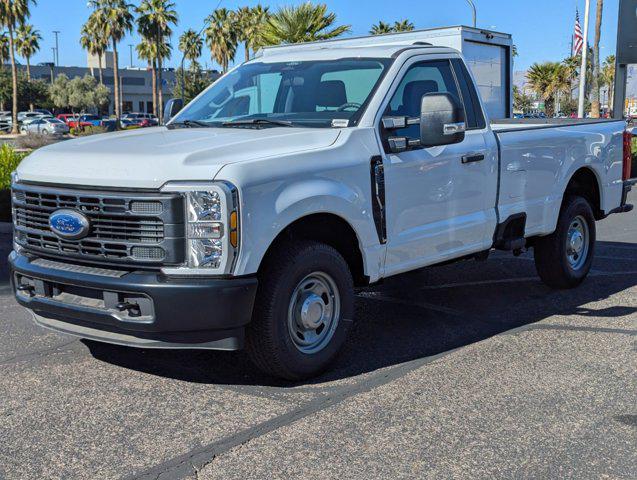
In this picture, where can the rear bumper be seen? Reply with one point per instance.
(141, 308)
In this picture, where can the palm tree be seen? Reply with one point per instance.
(595, 82)
(115, 20)
(381, 28)
(252, 22)
(154, 22)
(221, 37)
(607, 77)
(548, 80)
(148, 51)
(403, 26)
(27, 44)
(304, 23)
(94, 41)
(12, 14)
(190, 44)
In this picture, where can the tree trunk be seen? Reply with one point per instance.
(29, 80)
(99, 67)
(154, 80)
(160, 86)
(247, 51)
(116, 84)
(595, 81)
(14, 75)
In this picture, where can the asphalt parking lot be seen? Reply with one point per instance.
(473, 370)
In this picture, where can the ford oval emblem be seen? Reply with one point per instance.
(69, 224)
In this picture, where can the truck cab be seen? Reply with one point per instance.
(250, 219)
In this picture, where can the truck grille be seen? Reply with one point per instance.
(124, 227)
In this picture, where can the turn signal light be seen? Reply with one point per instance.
(234, 234)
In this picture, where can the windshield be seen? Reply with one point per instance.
(312, 93)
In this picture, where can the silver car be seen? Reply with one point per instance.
(46, 126)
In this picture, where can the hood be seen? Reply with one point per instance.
(148, 158)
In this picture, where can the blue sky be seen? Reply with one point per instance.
(541, 29)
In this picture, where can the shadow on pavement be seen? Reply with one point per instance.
(411, 316)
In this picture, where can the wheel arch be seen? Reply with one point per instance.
(331, 229)
(586, 183)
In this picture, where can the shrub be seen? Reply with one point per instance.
(9, 161)
(32, 141)
(86, 131)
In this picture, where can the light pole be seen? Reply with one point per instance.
(57, 48)
(582, 72)
(473, 8)
(130, 45)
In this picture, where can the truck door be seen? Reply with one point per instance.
(440, 201)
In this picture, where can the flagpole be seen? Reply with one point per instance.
(582, 73)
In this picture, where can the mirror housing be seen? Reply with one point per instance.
(173, 106)
(442, 120)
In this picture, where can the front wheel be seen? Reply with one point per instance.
(303, 310)
(563, 259)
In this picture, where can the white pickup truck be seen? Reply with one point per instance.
(294, 179)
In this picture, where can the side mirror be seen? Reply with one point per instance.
(442, 120)
(173, 106)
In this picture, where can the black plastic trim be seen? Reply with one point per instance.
(377, 175)
(509, 235)
(178, 305)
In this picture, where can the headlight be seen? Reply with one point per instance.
(211, 216)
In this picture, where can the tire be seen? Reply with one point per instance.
(300, 274)
(561, 259)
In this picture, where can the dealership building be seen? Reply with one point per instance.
(136, 83)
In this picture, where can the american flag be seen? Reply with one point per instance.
(578, 38)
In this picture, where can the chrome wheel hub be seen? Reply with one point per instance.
(314, 312)
(577, 240)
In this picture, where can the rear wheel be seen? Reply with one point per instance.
(563, 259)
(303, 310)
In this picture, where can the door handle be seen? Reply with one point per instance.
(478, 157)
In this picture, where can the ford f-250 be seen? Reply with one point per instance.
(294, 179)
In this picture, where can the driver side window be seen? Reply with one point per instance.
(421, 78)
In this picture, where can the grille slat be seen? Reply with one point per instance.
(118, 222)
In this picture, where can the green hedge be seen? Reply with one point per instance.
(9, 161)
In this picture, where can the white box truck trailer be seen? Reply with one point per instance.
(488, 55)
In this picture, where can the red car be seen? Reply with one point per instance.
(73, 120)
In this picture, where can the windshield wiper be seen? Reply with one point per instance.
(191, 124)
(257, 122)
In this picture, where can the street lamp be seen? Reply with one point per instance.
(57, 48)
(473, 8)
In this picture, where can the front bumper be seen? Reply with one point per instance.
(138, 308)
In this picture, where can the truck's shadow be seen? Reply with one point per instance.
(416, 315)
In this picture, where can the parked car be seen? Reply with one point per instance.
(66, 117)
(46, 126)
(292, 180)
(141, 119)
(130, 123)
(90, 120)
(28, 116)
(43, 111)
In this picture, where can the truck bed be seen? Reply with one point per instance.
(539, 156)
(506, 124)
